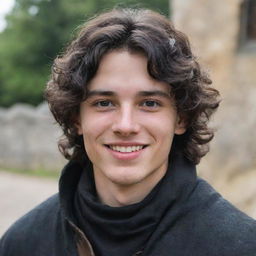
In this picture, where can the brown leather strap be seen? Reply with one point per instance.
(84, 249)
(83, 245)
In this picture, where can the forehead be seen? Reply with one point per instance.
(123, 71)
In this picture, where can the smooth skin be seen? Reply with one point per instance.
(127, 110)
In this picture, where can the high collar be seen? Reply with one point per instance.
(170, 192)
(180, 177)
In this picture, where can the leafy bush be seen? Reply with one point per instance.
(37, 30)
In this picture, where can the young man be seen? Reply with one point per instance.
(134, 106)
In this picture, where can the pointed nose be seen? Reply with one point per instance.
(125, 123)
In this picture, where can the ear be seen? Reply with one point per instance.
(180, 126)
(78, 125)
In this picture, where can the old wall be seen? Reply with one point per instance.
(29, 138)
(213, 28)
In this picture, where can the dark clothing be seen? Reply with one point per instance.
(183, 216)
(114, 230)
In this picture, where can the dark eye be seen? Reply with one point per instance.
(150, 103)
(104, 103)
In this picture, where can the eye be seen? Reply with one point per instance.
(150, 104)
(103, 104)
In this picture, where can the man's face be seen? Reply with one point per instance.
(128, 122)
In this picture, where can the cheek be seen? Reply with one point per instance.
(161, 126)
(163, 133)
(93, 126)
(91, 134)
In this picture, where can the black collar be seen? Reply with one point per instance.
(171, 191)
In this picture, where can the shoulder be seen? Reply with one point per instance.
(37, 225)
(205, 224)
(228, 230)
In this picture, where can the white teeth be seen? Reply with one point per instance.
(126, 149)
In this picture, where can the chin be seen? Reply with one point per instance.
(125, 181)
(126, 177)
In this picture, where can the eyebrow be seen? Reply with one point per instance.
(140, 93)
(154, 93)
(99, 93)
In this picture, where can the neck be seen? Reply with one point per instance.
(117, 195)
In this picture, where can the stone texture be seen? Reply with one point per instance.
(29, 138)
(213, 28)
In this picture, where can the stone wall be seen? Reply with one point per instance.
(28, 138)
(213, 28)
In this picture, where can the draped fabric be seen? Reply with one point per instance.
(125, 230)
(182, 216)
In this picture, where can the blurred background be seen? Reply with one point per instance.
(33, 32)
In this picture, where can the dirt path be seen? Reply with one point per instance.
(19, 194)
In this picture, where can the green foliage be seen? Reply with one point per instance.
(37, 30)
(40, 173)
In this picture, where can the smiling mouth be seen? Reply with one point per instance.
(127, 149)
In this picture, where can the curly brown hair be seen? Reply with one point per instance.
(169, 60)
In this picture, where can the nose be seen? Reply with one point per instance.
(125, 122)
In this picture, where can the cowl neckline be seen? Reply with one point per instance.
(126, 230)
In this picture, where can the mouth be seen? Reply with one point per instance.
(126, 149)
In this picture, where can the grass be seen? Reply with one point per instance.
(36, 173)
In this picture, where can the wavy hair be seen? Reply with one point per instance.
(170, 60)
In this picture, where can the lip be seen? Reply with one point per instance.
(125, 155)
(126, 144)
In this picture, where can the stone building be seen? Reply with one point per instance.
(223, 35)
